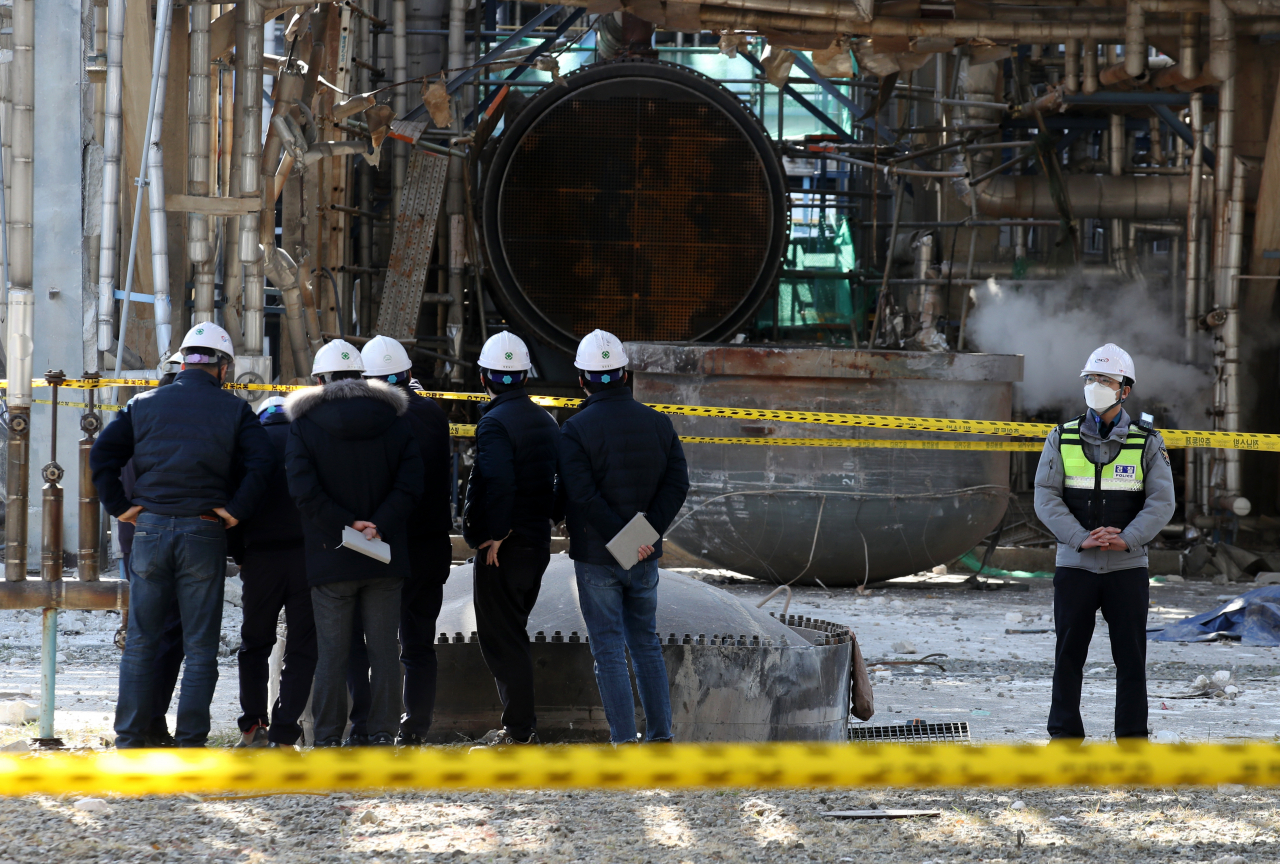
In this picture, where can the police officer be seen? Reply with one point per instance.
(202, 461)
(1105, 489)
(507, 520)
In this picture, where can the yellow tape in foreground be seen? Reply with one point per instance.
(1173, 438)
(167, 772)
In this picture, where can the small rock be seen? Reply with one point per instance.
(1166, 736)
(1173, 577)
(60, 657)
(1013, 617)
(19, 746)
(1230, 859)
(940, 570)
(1003, 678)
(904, 648)
(1231, 690)
(1201, 684)
(368, 817)
(92, 805)
(1018, 805)
(1222, 678)
(18, 713)
(233, 591)
(1231, 789)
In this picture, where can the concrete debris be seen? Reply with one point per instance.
(1013, 617)
(18, 713)
(904, 648)
(1223, 677)
(1166, 736)
(233, 592)
(92, 805)
(1231, 859)
(19, 746)
(1232, 789)
(1018, 805)
(368, 817)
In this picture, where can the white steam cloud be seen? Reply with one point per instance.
(1056, 328)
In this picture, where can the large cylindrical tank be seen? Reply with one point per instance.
(834, 515)
(641, 197)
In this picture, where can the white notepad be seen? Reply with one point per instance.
(378, 550)
(626, 544)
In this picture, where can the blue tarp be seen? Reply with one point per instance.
(1253, 618)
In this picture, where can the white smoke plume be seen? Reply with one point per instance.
(1056, 327)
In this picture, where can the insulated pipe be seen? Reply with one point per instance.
(288, 89)
(51, 512)
(19, 346)
(155, 205)
(455, 201)
(249, 65)
(1195, 186)
(90, 510)
(1092, 196)
(1188, 63)
(1115, 151)
(65, 595)
(1222, 41)
(1090, 82)
(107, 251)
(399, 97)
(232, 267)
(199, 111)
(1230, 303)
(1071, 74)
(1135, 41)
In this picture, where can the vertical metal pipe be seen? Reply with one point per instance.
(1135, 39)
(1115, 146)
(19, 345)
(1194, 213)
(250, 173)
(48, 667)
(163, 10)
(233, 131)
(107, 251)
(1071, 74)
(1231, 327)
(1188, 62)
(455, 202)
(51, 533)
(199, 228)
(87, 555)
(1089, 83)
(155, 199)
(399, 98)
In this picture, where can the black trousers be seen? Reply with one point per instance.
(275, 579)
(503, 597)
(168, 664)
(420, 600)
(1123, 597)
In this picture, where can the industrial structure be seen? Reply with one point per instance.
(783, 204)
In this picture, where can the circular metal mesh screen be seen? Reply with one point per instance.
(644, 211)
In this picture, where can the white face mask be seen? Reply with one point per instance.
(1100, 397)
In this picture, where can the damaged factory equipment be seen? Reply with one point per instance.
(736, 673)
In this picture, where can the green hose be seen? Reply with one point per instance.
(971, 560)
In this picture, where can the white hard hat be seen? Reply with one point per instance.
(600, 351)
(505, 352)
(1110, 360)
(273, 405)
(337, 356)
(203, 340)
(173, 364)
(383, 355)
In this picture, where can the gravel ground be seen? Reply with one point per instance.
(1082, 825)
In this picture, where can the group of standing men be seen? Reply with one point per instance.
(364, 451)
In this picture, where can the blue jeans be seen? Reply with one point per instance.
(186, 558)
(620, 607)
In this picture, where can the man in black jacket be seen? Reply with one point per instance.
(352, 462)
(619, 458)
(507, 519)
(202, 462)
(274, 574)
(430, 552)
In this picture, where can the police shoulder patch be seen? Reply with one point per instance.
(1164, 454)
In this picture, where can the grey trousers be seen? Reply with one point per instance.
(334, 605)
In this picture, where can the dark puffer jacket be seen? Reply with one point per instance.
(194, 447)
(432, 520)
(618, 458)
(352, 457)
(276, 523)
(512, 485)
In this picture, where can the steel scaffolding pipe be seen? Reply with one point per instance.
(1092, 196)
(1229, 302)
(155, 200)
(400, 67)
(199, 229)
(455, 198)
(65, 594)
(108, 249)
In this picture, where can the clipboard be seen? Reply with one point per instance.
(625, 544)
(355, 540)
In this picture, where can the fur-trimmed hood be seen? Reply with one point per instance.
(351, 409)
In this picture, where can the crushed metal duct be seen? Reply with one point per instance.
(735, 672)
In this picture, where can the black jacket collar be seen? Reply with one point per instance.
(509, 396)
(612, 394)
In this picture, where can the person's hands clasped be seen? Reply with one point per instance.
(1105, 538)
(368, 529)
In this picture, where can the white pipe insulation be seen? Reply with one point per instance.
(199, 117)
(399, 96)
(108, 251)
(155, 202)
(251, 250)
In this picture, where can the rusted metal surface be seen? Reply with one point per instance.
(838, 517)
(793, 688)
(642, 198)
(412, 245)
(65, 594)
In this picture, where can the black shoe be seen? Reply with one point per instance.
(330, 742)
(160, 739)
(411, 739)
(355, 740)
(381, 739)
(504, 738)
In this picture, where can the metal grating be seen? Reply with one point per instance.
(916, 732)
(647, 214)
(415, 235)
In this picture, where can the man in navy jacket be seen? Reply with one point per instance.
(619, 458)
(202, 461)
(507, 519)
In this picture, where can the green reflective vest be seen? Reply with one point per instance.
(1109, 495)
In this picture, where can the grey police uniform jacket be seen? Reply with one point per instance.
(1053, 512)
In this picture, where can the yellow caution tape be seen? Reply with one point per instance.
(97, 406)
(680, 766)
(1173, 438)
(876, 443)
(462, 430)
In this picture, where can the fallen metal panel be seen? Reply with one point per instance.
(411, 247)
